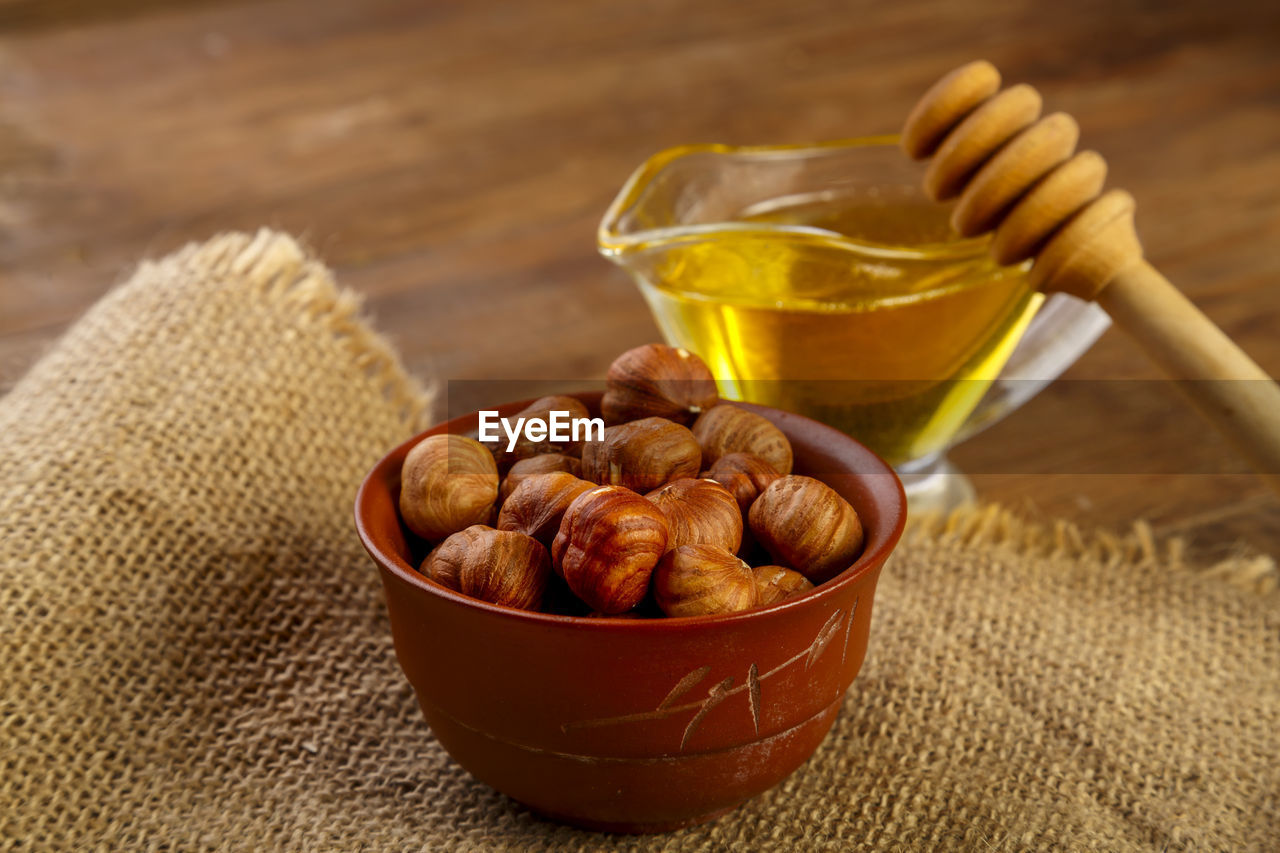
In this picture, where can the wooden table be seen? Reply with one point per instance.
(451, 161)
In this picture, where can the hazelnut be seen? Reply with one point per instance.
(538, 503)
(726, 429)
(778, 583)
(609, 541)
(543, 463)
(805, 524)
(699, 512)
(447, 483)
(657, 381)
(697, 580)
(744, 475)
(498, 566)
(642, 455)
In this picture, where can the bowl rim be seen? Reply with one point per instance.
(869, 560)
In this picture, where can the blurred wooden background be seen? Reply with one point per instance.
(451, 161)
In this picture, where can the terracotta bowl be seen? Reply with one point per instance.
(636, 725)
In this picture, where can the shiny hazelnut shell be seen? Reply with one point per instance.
(778, 583)
(609, 541)
(642, 455)
(656, 380)
(727, 428)
(804, 524)
(701, 580)
(699, 512)
(538, 504)
(744, 475)
(542, 463)
(447, 483)
(501, 567)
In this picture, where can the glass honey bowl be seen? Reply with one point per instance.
(821, 280)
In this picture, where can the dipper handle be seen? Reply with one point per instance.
(1018, 174)
(1228, 387)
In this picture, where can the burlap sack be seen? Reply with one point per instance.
(195, 654)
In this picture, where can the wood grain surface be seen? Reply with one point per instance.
(451, 160)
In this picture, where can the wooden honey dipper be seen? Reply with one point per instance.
(1018, 174)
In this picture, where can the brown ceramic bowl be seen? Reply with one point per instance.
(636, 725)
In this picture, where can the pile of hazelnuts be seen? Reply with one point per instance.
(687, 506)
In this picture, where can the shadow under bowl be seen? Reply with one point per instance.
(636, 725)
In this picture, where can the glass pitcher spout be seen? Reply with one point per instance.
(820, 279)
(710, 192)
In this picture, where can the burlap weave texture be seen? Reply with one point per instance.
(194, 653)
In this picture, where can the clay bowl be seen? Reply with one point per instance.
(636, 725)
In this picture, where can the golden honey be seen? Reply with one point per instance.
(865, 312)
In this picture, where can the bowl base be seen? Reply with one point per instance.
(633, 795)
(624, 828)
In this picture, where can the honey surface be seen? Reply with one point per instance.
(868, 318)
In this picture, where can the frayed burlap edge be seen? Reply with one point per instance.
(994, 525)
(283, 269)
